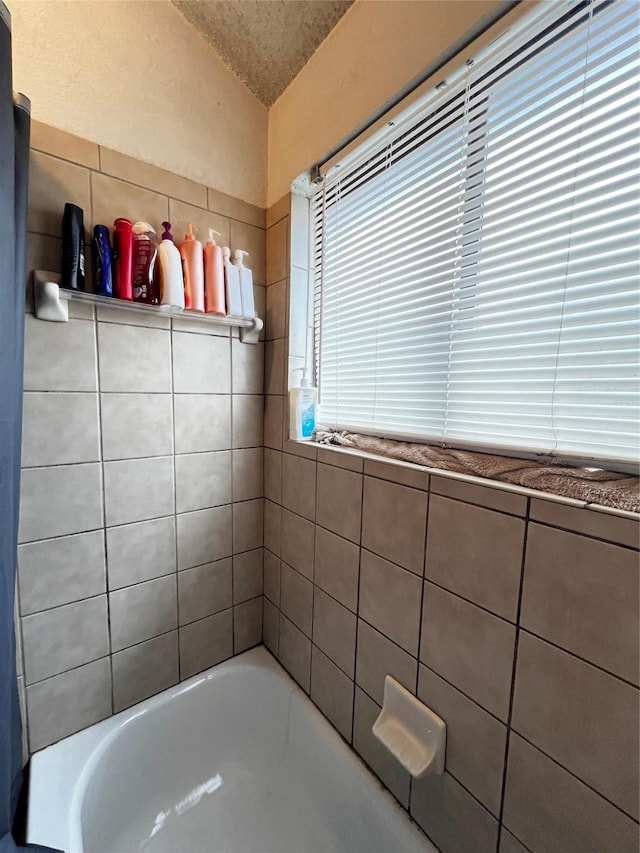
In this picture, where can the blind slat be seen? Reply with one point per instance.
(477, 263)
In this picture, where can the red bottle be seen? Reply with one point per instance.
(122, 259)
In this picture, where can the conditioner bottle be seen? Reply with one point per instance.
(246, 284)
(232, 285)
(214, 298)
(169, 270)
(193, 271)
(302, 408)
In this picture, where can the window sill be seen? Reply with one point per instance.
(429, 479)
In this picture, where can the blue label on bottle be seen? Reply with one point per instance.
(308, 422)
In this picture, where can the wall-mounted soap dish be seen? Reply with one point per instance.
(410, 731)
(51, 302)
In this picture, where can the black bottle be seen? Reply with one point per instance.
(72, 248)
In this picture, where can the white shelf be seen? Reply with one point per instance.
(51, 303)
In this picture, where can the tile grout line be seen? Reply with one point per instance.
(513, 675)
(175, 503)
(279, 505)
(422, 597)
(313, 565)
(17, 630)
(357, 614)
(130, 646)
(96, 333)
(233, 494)
(280, 450)
(576, 777)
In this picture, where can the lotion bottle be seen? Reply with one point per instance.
(246, 284)
(122, 259)
(303, 404)
(232, 285)
(169, 267)
(145, 252)
(214, 296)
(191, 253)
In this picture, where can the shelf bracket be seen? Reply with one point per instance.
(251, 334)
(46, 297)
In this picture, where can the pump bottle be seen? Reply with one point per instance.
(231, 285)
(169, 268)
(145, 252)
(214, 299)
(193, 270)
(302, 408)
(246, 284)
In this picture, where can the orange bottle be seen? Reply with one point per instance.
(191, 254)
(214, 301)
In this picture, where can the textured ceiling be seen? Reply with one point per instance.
(265, 42)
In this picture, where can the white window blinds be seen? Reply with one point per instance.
(477, 262)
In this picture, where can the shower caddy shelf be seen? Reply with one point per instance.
(51, 302)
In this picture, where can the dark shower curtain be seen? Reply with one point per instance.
(14, 169)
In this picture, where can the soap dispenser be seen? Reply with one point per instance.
(231, 285)
(169, 267)
(302, 408)
(191, 253)
(145, 254)
(246, 284)
(214, 299)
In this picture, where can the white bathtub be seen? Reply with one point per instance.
(235, 759)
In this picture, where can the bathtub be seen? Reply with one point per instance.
(234, 759)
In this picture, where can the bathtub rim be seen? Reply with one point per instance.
(52, 815)
(48, 817)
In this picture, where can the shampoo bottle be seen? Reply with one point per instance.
(169, 270)
(214, 299)
(232, 285)
(193, 271)
(246, 284)
(302, 408)
(122, 255)
(145, 250)
(72, 248)
(102, 256)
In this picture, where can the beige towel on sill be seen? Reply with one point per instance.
(606, 488)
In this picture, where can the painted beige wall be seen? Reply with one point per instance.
(136, 77)
(376, 50)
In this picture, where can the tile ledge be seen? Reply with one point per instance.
(480, 481)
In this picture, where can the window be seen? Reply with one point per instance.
(476, 259)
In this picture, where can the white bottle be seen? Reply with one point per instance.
(231, 285)
(246, 285)
(302, 408)
(170, 270)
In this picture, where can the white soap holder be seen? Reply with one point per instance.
(410, 731)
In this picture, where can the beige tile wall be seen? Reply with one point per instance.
(515, 617)
(140, 547)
